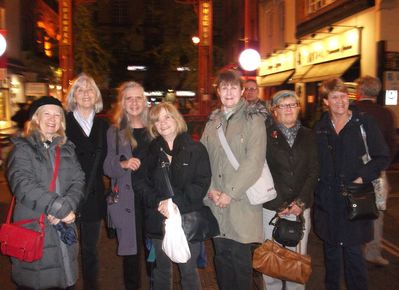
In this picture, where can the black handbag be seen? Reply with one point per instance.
(198, 225)
(360, 199)
(286, 232)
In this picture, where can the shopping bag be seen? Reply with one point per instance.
(175, 243)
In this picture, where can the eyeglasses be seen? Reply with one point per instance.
(286, 106)
(250, 89)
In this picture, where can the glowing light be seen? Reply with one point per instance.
(195, 39)
(249, 59)
(3, 44)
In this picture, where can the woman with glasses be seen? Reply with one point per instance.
(292, 158)
(88, 132)
(128, 141)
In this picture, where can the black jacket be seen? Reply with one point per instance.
(190, 176)
(294, 169)
(87, 149)
(340, 157)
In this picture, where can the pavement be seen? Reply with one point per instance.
(386, 278)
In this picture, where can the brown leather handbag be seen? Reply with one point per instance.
(275, 261)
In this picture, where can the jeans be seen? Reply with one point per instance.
(372, 250)
(355, 269)
(233, 264)
(89, 237)
(162, 272)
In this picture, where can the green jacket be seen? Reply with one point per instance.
(246, 134)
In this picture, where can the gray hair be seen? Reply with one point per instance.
(284, 94)
(81, 80)
(368, 86)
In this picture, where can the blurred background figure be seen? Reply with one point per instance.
(31, 168)
(368, 89)
(21, 116)
(341, 150)
(251, 94)
(88, 132)
(293, 161)
(127, 146)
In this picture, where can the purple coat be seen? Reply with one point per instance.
(123, 212)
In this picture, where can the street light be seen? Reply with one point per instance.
(249, 59)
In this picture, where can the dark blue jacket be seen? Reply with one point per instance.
(340, 157)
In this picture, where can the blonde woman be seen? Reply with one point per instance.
(127, 142)
(30, 171)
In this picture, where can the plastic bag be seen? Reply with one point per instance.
(174, 243)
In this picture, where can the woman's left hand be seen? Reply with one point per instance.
(70, 218)
(53, 220)
(295, 209)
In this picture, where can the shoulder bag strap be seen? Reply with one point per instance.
(56, 166)
(226, 148)
(165, 173)
(364, 137)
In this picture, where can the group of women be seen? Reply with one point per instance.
(142, 142)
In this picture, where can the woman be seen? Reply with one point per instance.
(188, 168)
(30, 170)
(341, 152)
(128, 143)
(240, 222)
(292, 158)
(88, 132)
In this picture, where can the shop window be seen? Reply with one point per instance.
(119, 11)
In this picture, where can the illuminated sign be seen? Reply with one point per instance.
(66, 22)
(205, 23)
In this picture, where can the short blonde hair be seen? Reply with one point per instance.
(168, 107)
(33, 125)
(79, 81)
(332, 85)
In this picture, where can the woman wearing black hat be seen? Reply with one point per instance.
(41, 189)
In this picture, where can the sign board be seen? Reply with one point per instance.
(36, 89)
(391, 87)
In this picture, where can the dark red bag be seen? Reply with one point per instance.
(19, 242)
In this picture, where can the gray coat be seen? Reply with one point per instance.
(246, 134)
(122, 213)
(29, 172)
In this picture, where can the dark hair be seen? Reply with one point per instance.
(332, 85)
(228, 76)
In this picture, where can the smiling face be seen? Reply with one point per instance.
(337, 103)
(229, 93)
(48, 118)
(85, 97)
(286, 111)
(166, 125)
(134, 102)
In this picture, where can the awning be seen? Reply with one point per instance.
(326, 70)
(275, 79)
(299, 73)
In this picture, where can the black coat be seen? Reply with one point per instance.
(87, 149)
(190, 176)
(347, 147)
(294, 169)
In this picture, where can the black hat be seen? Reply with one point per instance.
(45, 100)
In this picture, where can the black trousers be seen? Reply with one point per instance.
(233, 264)
(89, 237)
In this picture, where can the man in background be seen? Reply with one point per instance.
(368, 89)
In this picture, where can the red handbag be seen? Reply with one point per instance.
(22, 243)
(19, 242)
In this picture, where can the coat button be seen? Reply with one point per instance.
(127, 186)
(220, 176)
(128, 210)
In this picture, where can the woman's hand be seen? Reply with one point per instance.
(163, 207)
(53, 220)
(70, 218)
(295, 209)
(132, 164)
(214, 195)
(224, 200)
(358, 180)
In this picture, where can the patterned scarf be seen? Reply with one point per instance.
(289, 133)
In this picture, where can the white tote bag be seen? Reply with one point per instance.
(174, 243)
(263, 189)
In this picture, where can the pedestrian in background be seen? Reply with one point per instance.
(188, 169)
(127, 145)
(341, 150)
(368, 89)
(89, 134)
(30, 170)
(240, 222)
(251, 94)
(293, 161)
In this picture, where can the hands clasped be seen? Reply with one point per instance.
(132, 164)
(219, 198)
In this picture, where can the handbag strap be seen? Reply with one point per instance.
(364, 137)
(164, 168)
(56, 166)
(230, 155)
(298, 218)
